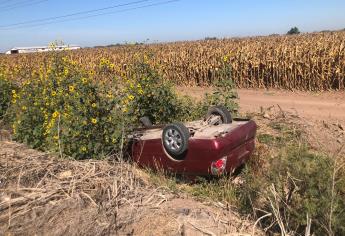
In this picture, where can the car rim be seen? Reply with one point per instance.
(215, 120)
(173, 139)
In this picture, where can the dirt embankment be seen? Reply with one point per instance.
(44, 195)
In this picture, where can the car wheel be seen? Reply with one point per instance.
(145, 121)
(221, 112)
(175, 139)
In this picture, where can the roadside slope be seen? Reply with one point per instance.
(41, 194)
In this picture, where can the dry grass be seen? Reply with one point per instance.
(44, 195)
(41, 194)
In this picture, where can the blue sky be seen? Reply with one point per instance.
(182, 20)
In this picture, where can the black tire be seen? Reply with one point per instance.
(221, 111)
(175, 140)
(145, 121)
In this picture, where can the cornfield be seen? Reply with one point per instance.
(312, 62)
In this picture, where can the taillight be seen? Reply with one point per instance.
(218, 167)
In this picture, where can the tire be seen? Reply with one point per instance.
(175, 140)
(145, 121)
(221, 111)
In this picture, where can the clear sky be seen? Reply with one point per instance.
(181, 20)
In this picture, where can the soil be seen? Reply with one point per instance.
(316, 106)
(320, 115)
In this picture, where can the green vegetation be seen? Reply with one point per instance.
(6, 89)
(293, 30)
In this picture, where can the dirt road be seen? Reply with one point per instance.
(316, 106)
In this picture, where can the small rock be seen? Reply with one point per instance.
(267, 116)
(325, 124)
(341, 126)
(65, 174)
(202, 214)
(182, 211)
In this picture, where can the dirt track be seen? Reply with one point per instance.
(315, 106)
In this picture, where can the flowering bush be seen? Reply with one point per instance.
(148, 95)
(61, 109)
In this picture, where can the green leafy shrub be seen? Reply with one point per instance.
(6, 90)
(224, 94)
(149, 95)
(62, 110)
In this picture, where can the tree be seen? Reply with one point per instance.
(293, 30)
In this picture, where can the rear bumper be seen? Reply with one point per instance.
(239, 155)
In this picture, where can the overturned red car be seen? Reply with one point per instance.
(215, 145)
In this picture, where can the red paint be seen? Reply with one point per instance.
(236, 145)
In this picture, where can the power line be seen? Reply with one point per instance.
(95, 15)
(21, 4)
(73, 14)
(8, 2)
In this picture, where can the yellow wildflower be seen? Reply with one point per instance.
(53, 93)
(24, 108)
(71, 88)
(66, 71)
(93, 105)
(83, 149)
(84, 80)
(130, 97)
(94, 121)
(55, 114)
(109, 95)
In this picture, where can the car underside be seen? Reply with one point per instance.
(214, 146)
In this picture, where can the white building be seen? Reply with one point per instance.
(42, 49)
